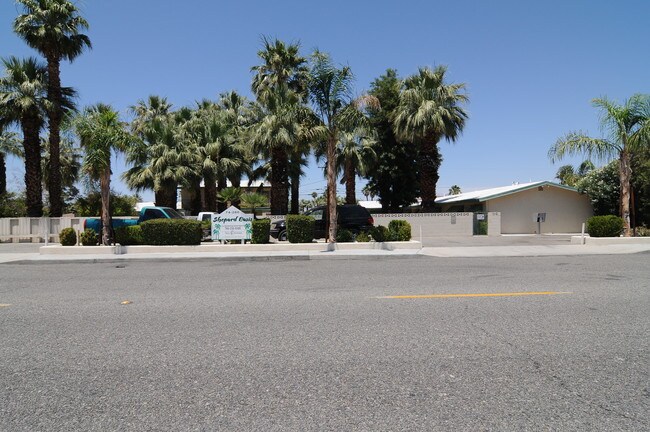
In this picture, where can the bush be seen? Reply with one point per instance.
(605, 226)
(161, 232)
(344, 236)
(89, 237)
(642, 231)
(300, 228)
(129, 235)
(379, 233)
(482, 228)
(400, 230)
(362, 237)
(261, 231)
(68, 237)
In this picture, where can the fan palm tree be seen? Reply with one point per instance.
(254, 201)
(330, 90)
(23, 101)
(628, 127)
(229, 195)
(455, 190)
(282, 65)
(101, 133)
(53, 28)
(9, 145)
(429, 110)
(355, 156)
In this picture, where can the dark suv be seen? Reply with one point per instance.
(351, 217)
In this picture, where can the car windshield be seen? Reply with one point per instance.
(173, 214)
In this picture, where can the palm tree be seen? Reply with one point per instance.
(355, 156)
(162, 157)
(23, 101)
(9, 145)
(628, 127)
(53, 28)
(282, 65)
(455, 190)
(229, 195)
(330, 90)
(429, 110)
(253, 201)
(101, 132)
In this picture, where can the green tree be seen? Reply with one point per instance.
(53, 28)
(569, 176)
(628, 130)
(603, 188)
(101, 133)
(229, 195)
(330, 90)
(9, 145)
(394, 176)
(23, 101)
(429, 110)
(90, 204)
(254, 201)
(455, 190)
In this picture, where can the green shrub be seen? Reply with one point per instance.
(89, 237)
(344, 236)
(362, 237)
(300, 228)
(171, 232)
(399, 230)
(379, 233)
(482, 227)
(261, 231)
(642, 231)
(129, 235)
(605, 226)
(68, 237)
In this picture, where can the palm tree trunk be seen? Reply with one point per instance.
(54, 121)
(331, 187)
(625, 172)
(222, 183)
(166, 195)
(210, 192)
(195, 194)
(105, 191)
(295, 193)
(236, 183)
(350, 182)
(3, 175)
(429, 162)
(279, 182)
(33, 175)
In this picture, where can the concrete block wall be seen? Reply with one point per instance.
(33, 229)
(432, 224)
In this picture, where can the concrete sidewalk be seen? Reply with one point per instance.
(441, 252)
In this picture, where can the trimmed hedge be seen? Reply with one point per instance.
(129, 235)
(261, 231)
(344, 236)
(400, 230)
(68, 237)
(89, 237)
(300, 228)
(605, 226)
(379, 233)
(362, 237)
(162, 232)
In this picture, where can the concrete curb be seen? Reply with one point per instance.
(600, 241)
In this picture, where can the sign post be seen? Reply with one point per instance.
(232, 224)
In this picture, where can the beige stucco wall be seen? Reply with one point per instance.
(565, 211)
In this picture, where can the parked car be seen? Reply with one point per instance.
(352, 217)
(147, 213)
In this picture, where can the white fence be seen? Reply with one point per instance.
(35, 230)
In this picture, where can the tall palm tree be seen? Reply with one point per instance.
(53, 28)
(455, 190)
(628, 129)
(9, 145)
(356, 154)
(282, 65)
(23, 101)
(101, 133)
(162, 158)
(429, 110)
(330, 90)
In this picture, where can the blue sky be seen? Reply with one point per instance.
(531, 67)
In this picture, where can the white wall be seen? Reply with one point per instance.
(565, 210)
(432, 224)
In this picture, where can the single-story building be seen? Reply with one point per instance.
(527, 207)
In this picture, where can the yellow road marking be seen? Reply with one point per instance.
(507, 294)
(126, 302)
(5, 304)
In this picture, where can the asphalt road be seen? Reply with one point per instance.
(311, 345)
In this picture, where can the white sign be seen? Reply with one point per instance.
(232, 224)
